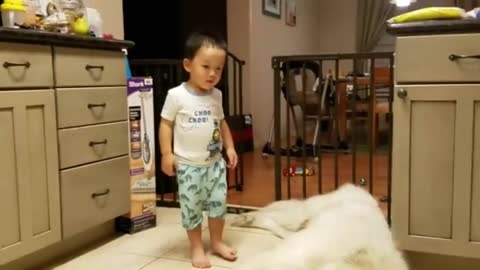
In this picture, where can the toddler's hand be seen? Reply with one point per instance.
(232, 158)
(168, 164)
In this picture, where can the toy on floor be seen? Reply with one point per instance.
(295, 171)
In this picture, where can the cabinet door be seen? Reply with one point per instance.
(436, 169)
(29, 182)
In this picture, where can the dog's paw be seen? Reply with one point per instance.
(243, 219)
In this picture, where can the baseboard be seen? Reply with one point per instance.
(65, 249)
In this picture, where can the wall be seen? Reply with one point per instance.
(336, 31)
(337, 25)
(238, 28)
(255, 38)
(112, 15)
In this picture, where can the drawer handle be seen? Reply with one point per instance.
(454, 57)
(92, 105)
(88, 67)
(402, 93)
(94, 195)
(8, 64)
(100, 142)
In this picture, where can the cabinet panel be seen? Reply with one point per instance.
(88, 106)
(76, 146)
(475, 203)
(30, 194)
(37, 143)
(94, 193)
(9, 206)
(418, 61)
(435, 191)
(29, 66)
(86, 67)
(431, 168)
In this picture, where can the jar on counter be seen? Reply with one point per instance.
(13, 13)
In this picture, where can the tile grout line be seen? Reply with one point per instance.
(189, 261)
(143, 267)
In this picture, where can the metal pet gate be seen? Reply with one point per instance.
(337, 154)
(168, 73)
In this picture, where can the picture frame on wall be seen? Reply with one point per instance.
(272, 8)
(291, 12)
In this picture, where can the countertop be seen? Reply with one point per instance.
(434, 27)
(58, 39)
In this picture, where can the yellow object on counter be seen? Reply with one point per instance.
(80, 26)
(429, 13)
(13, 5)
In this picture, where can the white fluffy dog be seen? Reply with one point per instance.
(341, 230)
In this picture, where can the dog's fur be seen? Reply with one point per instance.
(341, 230)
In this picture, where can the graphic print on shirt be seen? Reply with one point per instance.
(215, 145)
(199, 118)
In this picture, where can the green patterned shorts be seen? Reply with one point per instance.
(199, 189)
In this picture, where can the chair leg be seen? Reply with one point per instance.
(315, 136)
(270, 134)
(377, 122)
(297, 130)
(331, 131)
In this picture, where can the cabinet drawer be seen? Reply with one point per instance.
(427, 58)
(25, 65)
(89, 144)
(93, 194)
(85, 67)
(86, 106)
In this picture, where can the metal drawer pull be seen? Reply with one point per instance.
(95, 143)
(88, 67)
(91, 105)
(402, 93)
(8, 64)
(454, 57)
(94, 195)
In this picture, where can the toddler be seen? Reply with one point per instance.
(193, 117)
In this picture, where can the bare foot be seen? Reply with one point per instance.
(199, 259)
(226, 252)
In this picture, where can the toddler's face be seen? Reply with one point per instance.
(206, 67)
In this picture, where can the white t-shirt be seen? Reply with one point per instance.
(196, 134)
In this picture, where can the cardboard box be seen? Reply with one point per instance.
(142, 160)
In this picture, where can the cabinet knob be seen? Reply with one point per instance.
(402, 93)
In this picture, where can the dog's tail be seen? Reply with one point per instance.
(243, 220)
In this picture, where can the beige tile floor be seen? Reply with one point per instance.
(165, 247)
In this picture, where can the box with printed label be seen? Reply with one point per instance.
(142, 159)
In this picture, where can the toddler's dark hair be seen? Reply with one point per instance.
(203, 38)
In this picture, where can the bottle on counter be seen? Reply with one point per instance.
(13, 13)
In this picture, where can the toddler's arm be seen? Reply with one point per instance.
(229, 145)
(168, 159)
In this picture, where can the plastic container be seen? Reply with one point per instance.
(95, 21)
(13, 13)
